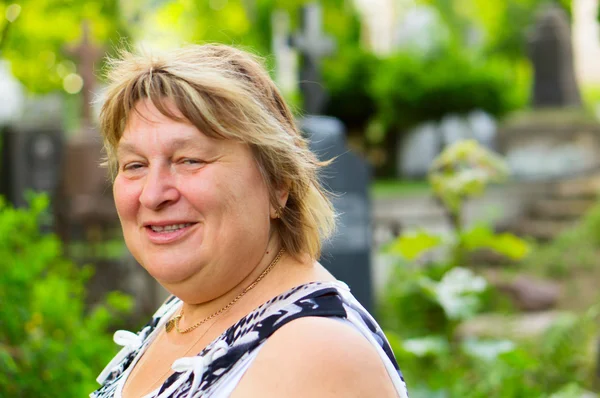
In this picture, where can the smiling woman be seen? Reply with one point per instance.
(219, 201)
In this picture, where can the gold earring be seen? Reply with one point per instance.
(278, 212)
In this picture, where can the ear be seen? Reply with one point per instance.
(281, 196)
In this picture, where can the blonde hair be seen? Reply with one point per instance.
(226, 93)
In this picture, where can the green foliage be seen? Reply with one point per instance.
(431, 295)
(49, 345)
(236, 22)
(347, 77)
(575, 249)
(412, 245)
(481, 236)
(504, 25)
(463, 171)
(38, 40)
(385, 188)
(246, 24)
(409, 89)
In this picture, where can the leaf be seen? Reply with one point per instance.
(464, 170)
(426, 346)
(487, 350)
(481, 236)
(458, 293)
(573, 390)
(413, 245)
(510, 245)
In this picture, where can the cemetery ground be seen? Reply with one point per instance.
(487, 296)
(569, 260)
(475, 311)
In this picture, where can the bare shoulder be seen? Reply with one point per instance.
(316, 357)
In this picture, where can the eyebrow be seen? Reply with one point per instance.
(126, 147)
(176, 144)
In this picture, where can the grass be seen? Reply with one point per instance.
(398, 188)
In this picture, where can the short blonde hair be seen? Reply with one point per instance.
(226, 93)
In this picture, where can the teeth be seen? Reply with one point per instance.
(169, 228)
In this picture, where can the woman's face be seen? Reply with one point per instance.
(195, 210)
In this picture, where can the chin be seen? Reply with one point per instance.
(168, 272)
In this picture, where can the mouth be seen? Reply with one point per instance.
(168, 233)
(168, 228)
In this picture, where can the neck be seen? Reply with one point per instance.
(230, 299)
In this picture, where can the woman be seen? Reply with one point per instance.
(219, 201)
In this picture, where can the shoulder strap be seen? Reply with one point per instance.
(243, 338)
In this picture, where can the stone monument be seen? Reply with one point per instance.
(31, 151)
(88, 208)
(87, 214)
(557, 142)
(286, 63)
(87, 54)
(557, 138)
(31, 146)
(551, 53)
(347, 255)
(312, 45)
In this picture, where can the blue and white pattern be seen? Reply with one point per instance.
(217, 369)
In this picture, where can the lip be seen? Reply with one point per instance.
(164, 223)
(162, 238)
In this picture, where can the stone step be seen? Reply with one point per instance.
(518, 327)
(566, 208)
(527, 292)
(541, 229)
(407, 210)
(588, 186)
(415, 217)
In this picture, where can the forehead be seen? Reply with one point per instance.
(147, 129)
(146, 123)
(145, 115)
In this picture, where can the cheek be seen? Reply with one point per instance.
(252, 197)
(126, 195)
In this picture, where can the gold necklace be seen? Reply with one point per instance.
(174, 322)
(142, 360)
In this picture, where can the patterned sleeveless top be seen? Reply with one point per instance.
(217, 369)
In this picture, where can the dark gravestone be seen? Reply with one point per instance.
(87, 211)
(557, 138)
(31, 161)
(87, 218)
(348, 255)
(551, 53)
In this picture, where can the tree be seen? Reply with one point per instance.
(35, 35)
(504, 24)
(239, 22)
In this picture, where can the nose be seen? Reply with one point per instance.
(159, 189)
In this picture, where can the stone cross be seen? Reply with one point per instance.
(286, 68)
(551, 53)
(87, 54)
(312, 45)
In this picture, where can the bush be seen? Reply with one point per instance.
(347, 78)
(576, 249)
(409, 89)
(49, 345)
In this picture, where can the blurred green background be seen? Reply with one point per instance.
(480, 309)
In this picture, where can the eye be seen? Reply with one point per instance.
(132, 166)
(192, 162)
